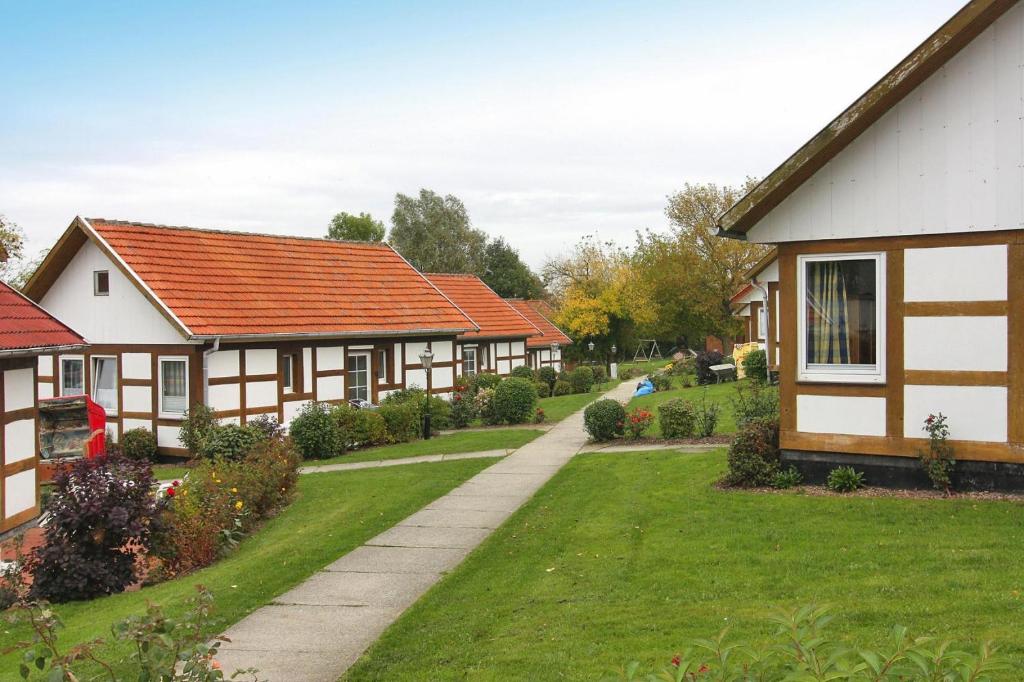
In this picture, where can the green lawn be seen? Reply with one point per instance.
(461, 441)
(559, 407)
(648, 366)
(624, 558)
(332, 514)
(722, 394)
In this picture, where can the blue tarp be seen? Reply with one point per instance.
(644, 388)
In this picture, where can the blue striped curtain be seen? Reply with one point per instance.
(828, 331)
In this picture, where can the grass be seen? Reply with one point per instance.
(332, 514)
(722, 394)
(557, 408)
(605, 565)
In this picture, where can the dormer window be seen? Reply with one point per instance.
(101, 283)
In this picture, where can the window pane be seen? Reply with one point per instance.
(841, 303)
(172, 387)
(358, 377)
(382, 365)
(104, 382)
(287, 362)
(469, 361)
(72, 376)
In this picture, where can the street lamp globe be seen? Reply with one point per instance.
(590, 346)
(426, 358)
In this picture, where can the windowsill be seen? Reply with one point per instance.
(839, 379)
(175, 417)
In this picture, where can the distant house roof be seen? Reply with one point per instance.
(213, 283)
(493, 314)
(531, 310)
(925, 60)
(761, 265)
(26, 328)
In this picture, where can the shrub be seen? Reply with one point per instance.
(483, 405)
(604, 419)
(542, 388)
(539, 417)
(463, 384)
(138, 444)
(101, 511)
(267, 426)
(402, 420)
(514, 401)
(581, 379)
(315, 432)
(938, 460)
(548, 375)
(661, 381)
(638, 421)
(462, 412)
(484, 380)
(522, 372)
(787, 478)
(754, 454)
(845, 479)
(707, 417)
(562, 388)
(600, 374)
(682, 367)
(704, 361)
(196, 425)
(677, 418)
(368, 428)
(231, 441)
(632, 373)
(755, 366)
(440, 414)
(757, 402)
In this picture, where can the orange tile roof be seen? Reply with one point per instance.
(221, 283)
(539, 313)
(495, 317)
(25, 326)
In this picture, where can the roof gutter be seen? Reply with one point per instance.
(324, 335)
(41, 350)
(731, 234)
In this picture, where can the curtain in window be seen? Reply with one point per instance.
(173, 399)
(104, 382)
(828, 329)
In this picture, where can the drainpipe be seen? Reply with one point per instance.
(767, 330)
(206, 369)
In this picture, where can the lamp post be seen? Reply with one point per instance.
(426, 359)
(554, 349)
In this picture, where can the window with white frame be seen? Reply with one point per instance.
(382, 366)
(288, 373)
(469, 366)
(72, 375)
(173, 386)
(104, 382)
(101, 283)
(359, 377)
(842, 319)
(762, 323)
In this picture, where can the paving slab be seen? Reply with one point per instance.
(317, 630)
(402, 461)
(457, 518)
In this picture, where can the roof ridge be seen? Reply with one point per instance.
(246, 233)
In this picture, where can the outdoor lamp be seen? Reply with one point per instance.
(614, 348)
(426, 359)
(590, 346)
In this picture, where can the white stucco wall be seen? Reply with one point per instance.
(975, 412)
(847, 415)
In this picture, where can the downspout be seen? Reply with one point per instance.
(767, 328)
(206, 369)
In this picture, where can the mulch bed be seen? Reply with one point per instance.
(711, 440)
(877, 492)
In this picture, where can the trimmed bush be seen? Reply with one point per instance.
(661, 381)
(403, 421)
(315, 432)
(755, 366)
(581, 379)
(139, 444)
(704, 361)
(562, 388)
(754, 454)
(231, 441)
(522, 372)
(677, 418)
(542, 388)
(101, 510)
(604, 419)
(368, 428)
(514, 401)
(196, 425)
(548, 375)
(484, 380)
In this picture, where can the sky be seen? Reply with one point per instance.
(550, 120)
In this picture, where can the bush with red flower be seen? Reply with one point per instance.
(637, 422)
(539, 417)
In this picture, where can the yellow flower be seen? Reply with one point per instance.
(238, 505)
(234, 490)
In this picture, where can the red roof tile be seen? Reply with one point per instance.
(532, 310)
(24, 325)
(221, 283)
(494, 316)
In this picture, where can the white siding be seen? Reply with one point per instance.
(260, 361)
(442, 377)
(136, 366)
(224, 397)
(415, 378)
(840, 415)
(329, 388)
(947, 158)
(955, 343)
(260, 393)
(137, 398)
(19, 440)
(123, 317)
(330, 358)
(956, 273)
(412, 352)
(291, 409)
(442, 351)
(45, 391)
(19, 492)
(167, 436)
(223, 363)
(130, 424)
(19, 389)
(307, 369)
(975, 412)
(46, 365)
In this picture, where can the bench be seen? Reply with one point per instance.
(723, 373)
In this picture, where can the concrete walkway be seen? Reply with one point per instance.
(317, 630)
(374, 463)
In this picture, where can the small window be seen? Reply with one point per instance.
(173, 386)
(288, 370)
(101, 283)
(762, 323)
(842, 334)
(104, 382)
(469, 367)
(382, 366)
(359, 377)
(72, 376)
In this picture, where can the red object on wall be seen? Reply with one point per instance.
(97, 443)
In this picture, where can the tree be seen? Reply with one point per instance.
(12, 243)
(435, 235)
(507, 274)
(360, 228)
